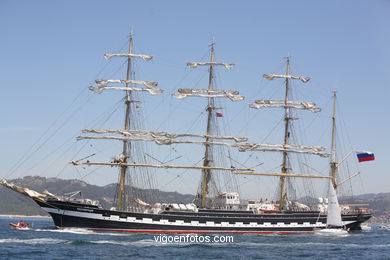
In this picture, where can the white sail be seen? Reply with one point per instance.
(129, 55)
(208, 93)
(304, 79)
(165, 138)
(283, 150)
(334, 211)
(157, 140)
(256, 146)
(105, 82)
(289, 104)
(99, 89)
(306, 149)
(193, 65)
(161, 134)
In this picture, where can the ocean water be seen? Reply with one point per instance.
(44, 241)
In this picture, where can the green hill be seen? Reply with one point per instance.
(15, 203)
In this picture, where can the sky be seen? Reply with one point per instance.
(51, 51)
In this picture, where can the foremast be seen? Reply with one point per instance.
(128, 85)
(125, 155)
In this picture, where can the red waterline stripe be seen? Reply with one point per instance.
(199, 231)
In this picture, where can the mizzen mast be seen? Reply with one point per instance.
(288, 105)
(333, 163)
(207, 155)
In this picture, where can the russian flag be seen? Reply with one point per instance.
(365, 156)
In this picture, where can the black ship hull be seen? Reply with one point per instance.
(74, 215)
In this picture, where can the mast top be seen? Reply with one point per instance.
(131, 31)
(209, 92)
(212, 43)
(105, 84)
(304, 79)
(212, 62)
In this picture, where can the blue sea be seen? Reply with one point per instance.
(44, 241)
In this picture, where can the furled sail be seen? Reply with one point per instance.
(99, 89)
(287, 151)
(157, 140)
(148, 84)
(308, 149)
(164, 166)
(208, 93)
(304, 79)
(161, 137)
(196, 64)
(25, 191)
(311, 106)
(129, 55)
(164, 138)
(161, 134)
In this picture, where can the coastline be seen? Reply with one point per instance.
(22, 216)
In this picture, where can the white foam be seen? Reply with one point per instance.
(332, 232)
(34, 241)
(81, 231)
(113, 242)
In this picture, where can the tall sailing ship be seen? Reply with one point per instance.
(220, 211)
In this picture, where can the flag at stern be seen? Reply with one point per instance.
(365, 156)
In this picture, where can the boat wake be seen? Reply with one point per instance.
(99, 242)
(80, 231)
(384, 227)
(34, 241)
(332, 232)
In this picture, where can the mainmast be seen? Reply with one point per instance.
(286, 147)
(125, 155)
(287, 119)
(210, 94)
(333, 163)
(207, 155)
